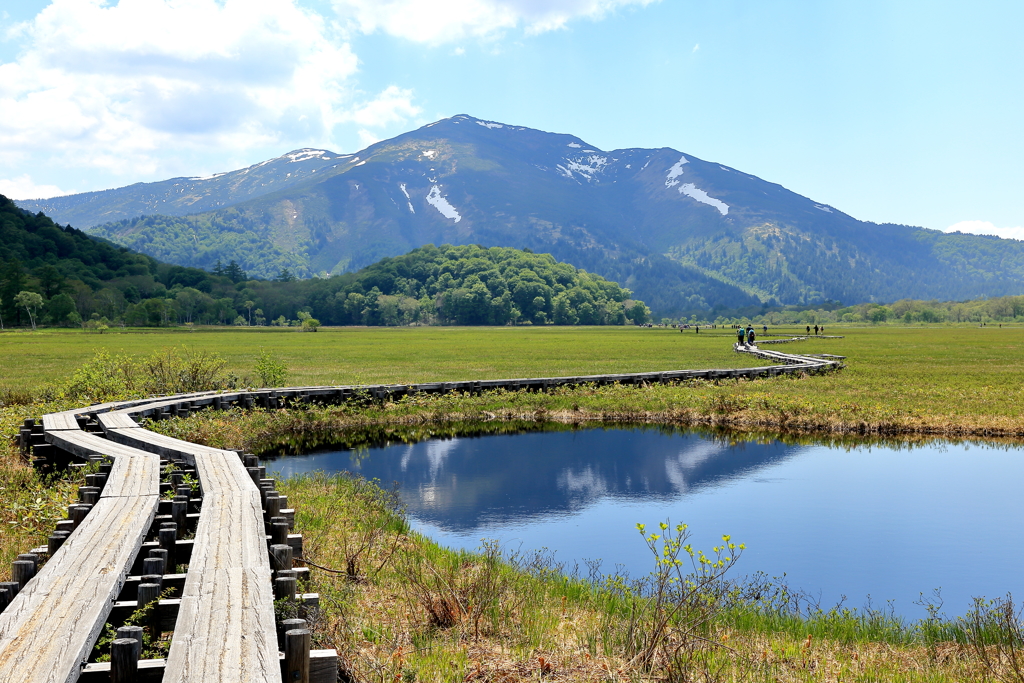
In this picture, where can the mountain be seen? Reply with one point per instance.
(181, 196)
(684, 234)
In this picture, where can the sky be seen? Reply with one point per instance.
(902, 112)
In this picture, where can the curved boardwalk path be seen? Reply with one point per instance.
(225, 628)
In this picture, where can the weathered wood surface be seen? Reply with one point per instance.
(84, 444)
(225, 629)
(47, 632)
(116, 420)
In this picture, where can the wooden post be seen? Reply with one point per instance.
(285, 587)
(153, 565)
(66, 525)
(22, 571)
(12, 587)
(280, 557)
(124, 660)
(273, 506)
(179, 512)
(168, 538)
(33, 558)
(288, 625)
(150, 592)
(79, 512)
(158, 579)
(5, 598)
(162, 554)
(54, 542)
(279, 532)
(254, 473)
(296, 655)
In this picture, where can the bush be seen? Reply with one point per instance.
(170, 371)
(269, 369)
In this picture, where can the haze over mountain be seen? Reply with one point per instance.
(684, 234)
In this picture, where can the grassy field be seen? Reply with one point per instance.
(942, 380)
(508, 624)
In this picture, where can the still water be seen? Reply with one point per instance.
(864, 521)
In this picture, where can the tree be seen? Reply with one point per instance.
(235, 272)
(59, 308)
(284, 276)
(248, 306)
(31, 302)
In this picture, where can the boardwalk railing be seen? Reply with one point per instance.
(121, 547)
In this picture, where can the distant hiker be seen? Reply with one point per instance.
(815, 329)
(697, 328)
(765, 328)
(822, 330)
(739, 335)
(808, 329)
(750, 336)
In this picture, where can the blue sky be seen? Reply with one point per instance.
(906, 112)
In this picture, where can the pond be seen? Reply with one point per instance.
(871, 523)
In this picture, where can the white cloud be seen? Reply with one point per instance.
(444, 21)
(392, 105)
(986, 228)
(127, 87)
(22, 187)
(696, 47)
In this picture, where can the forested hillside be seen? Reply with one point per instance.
(471, 285)
(84, 281)
(201, 241)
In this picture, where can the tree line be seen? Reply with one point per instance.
(57, 275)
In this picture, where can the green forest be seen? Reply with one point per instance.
(60, 276)
(201, 241)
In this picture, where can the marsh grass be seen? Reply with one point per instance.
(521, 617)
(426, 613)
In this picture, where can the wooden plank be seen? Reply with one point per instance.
(225, 629)
(145, 440)
(84, 444)
(57, 421)
(133, 476)
(118, 420)
(47, 632)
(323, 668)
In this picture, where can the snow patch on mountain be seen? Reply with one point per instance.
(209, 177)
(430, 154)
(586, 166)
(691, 190)
(306, 155)
(442, 204)
(823, 208)
(487, 124)
(408, 199)
(671, 180)
(574, 144)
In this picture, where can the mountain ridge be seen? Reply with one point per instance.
(685, 234)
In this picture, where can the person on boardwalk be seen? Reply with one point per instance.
(751, 335)
(739, 334)
(808, 329)
(815, 330)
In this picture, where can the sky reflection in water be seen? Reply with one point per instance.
(862, 521)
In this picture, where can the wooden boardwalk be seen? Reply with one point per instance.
(223, 622)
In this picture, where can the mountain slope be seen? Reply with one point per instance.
(683, 233)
